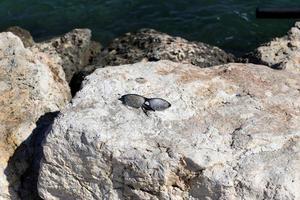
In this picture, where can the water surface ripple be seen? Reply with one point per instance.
(229, 24)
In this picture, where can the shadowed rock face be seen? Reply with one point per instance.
(31, 84)
(23, 166)
(280, 53)
(232, 132)
(151, 45)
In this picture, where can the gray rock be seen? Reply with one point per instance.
(280, 53)
(23, 34)
(151, 45)
(73, 51)
(31, 84)
(232, 132)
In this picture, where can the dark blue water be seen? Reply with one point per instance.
(229, 24)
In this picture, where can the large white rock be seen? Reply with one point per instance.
(30, 86)
(232, 132)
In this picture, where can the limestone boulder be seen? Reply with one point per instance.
(280, 53)
(31, 84)
(73, 51)
(152, 45)
(232, 132)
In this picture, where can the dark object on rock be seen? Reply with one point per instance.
(278, 13)
(151, 45)
(147, 104)
(23, 34)
(133, 100)
(156, 104)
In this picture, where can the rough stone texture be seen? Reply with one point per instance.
(232, 132)
(280, 53)
(151, 45)
(73, 51)
(30, 85)
(23, 34)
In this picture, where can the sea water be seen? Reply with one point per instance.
(229, 24)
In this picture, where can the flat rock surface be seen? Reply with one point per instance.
(31, 84)
(232, 132)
